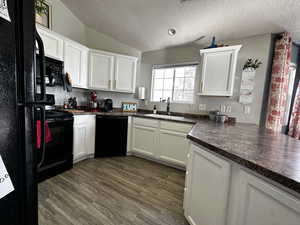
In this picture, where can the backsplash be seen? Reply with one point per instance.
(83, 96)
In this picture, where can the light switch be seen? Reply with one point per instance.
(202, 107)
(223, 108)
(247, 109)
(228, 109)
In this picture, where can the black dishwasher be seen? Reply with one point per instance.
(111, 136)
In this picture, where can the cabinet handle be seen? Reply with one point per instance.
(109, 83)
(115, 83)
(201, 86)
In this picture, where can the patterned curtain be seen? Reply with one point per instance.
(279, 83)
(294, 128)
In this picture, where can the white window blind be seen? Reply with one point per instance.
(173, 81)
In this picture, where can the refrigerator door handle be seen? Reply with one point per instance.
(43, 134)
(41, 57)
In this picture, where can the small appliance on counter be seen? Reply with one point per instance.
(93, 102)
(108, 105)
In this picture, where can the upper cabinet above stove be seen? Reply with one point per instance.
(53, 43)
(218, 68)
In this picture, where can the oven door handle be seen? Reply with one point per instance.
(42, 110)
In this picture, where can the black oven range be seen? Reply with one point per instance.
(58, 154)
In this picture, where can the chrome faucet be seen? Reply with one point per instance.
(168, 106)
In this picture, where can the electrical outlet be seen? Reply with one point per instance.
(228, 109)
(223, 108)
(202, 107)
(247, 109)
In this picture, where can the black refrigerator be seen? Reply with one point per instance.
(18, 107)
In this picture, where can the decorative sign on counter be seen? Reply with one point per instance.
(129, 106)
(6, 185)
(4, 10)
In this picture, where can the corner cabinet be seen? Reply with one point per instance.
(218, 70)
(125, 73)
(76, 63)
(161, 141)
(207, 188)
(112, 72)
(101, 70)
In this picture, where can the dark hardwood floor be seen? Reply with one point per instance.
(113, 191)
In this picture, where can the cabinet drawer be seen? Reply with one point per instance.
(79, 119)
(145, 122)
(179, 127)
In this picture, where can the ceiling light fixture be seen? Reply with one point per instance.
(171, 31)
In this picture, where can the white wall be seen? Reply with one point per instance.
(67, 24)
(253, 47)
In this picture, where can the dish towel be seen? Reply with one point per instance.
(39, 134)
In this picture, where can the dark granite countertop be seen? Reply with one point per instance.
(172, 118)
(273, 155)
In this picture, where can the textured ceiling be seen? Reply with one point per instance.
(143, 24)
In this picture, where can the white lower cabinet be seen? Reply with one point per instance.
(219, 192)
(160, 140)
(84, 137)
(261, 203)
(144, 140)
(207, 190)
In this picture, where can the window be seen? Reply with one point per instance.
(175, 82)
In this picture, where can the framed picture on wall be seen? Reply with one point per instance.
(43, 13)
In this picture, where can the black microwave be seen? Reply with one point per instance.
(54, 72)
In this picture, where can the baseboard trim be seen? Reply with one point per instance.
(137, 154)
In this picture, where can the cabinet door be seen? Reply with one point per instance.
(144, 140)
(173, 147)
(207, 188)
(91, 123)
(101, 71)
(125, 74)
(76, 57)
(80, 141)
(263, 204)
(53, 44)
(218, 71)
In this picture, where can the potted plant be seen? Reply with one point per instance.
(41, 8)
(252, 64)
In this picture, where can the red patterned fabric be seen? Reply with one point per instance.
(279, 83)
(294, 129)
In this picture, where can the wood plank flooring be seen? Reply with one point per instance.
(113, 191)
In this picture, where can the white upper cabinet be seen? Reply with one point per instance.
(112, 72)
(53, 43)
(125, 74)
(76, 63)
(218, 70)
(101, 70)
